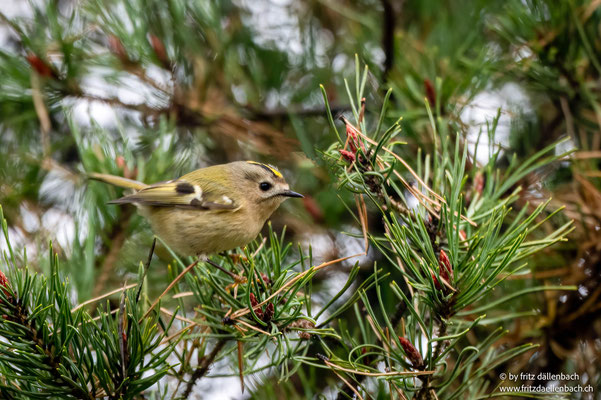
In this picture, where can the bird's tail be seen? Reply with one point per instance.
(118, 181)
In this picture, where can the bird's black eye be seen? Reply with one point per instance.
(264, 186)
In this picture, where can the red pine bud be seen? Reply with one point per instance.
(479, 182)
(160, 51)
(430, 92)
(269, 311)
(254, 302)
(127, 173)
(118, 49)
(348, 155)
(266, 279)
(313, 208)
(436, 282)
(304, 324)
(120, 161)
(3, 279)
(40, 66)
(354, 139)
(446, 270)
(412, 354)
(3, 282)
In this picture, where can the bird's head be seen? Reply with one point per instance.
(262, 185)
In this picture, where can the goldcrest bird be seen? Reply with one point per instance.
(209, 210)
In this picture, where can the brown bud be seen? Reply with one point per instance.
(430, 92)
(479, 182)
(412, 354)
(127, 173)
(269, 311)
(118, 49)
(265, 279)
(313, 208)
(446, 269)
(160, 51)
(120, 161)
(41, 67)
(304, 324)
(254, 302)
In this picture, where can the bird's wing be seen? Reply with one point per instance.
(204, 195)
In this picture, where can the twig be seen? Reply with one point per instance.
(171, 285)
(234, 276)
(254, 328)
(426, 392)
(348, 385)
(178, 317)
(104, 296)
(176, 334)
(203, 367)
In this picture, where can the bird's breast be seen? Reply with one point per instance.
(192, 232)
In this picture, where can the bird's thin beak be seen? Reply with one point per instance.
(290, 193)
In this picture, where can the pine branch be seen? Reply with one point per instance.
(21, 316)
(203, 367)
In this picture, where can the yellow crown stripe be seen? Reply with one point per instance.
(269, 167)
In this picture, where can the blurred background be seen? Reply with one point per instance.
(153, 89)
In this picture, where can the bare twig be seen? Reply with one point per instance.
(104, 296)
(203, 367)
(171, 285)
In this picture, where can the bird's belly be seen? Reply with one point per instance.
(193, 232)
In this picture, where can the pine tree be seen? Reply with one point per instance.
(429, 257)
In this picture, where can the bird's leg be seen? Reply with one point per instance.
(237, 278)
(150, 254)
(234, 257)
